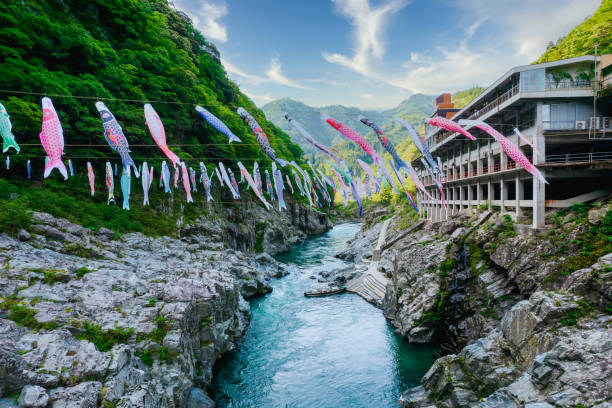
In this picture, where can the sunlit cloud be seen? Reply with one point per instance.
(205, 16)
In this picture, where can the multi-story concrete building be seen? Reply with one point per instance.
(563, 108)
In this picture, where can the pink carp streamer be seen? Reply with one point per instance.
(361, 141)
(449, 125)
(156, 127)
(416, 180)
(186, 185)
(511, 150)
(91, 177)
(52, 139)
(254, 187)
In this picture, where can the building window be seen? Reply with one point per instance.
(532, 80)
(561, 116)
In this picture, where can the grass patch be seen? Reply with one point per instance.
(105, 340)
(82, 271)
(260, 230)
(572, 316)
(158, 334)
(23, 315)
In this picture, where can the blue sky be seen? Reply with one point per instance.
(375, 53)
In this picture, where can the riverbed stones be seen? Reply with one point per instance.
(32, 396)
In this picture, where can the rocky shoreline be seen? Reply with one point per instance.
(95, 319)
(517, 323)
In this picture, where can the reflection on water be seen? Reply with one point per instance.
(336, 351)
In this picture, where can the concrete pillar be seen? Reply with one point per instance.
(539, 188)
(519, 194)
(503, 195)
(489, 193)
(460, 197)
(478, 194)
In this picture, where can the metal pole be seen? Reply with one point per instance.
(594, 95)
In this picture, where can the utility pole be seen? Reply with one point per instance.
(594, 121)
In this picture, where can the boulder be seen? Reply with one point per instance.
(33, 396)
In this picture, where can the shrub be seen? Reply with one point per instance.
(105, 340)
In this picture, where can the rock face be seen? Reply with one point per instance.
(89, 320)
(517, 324)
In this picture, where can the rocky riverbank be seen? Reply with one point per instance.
(521, 318)
(96, 319)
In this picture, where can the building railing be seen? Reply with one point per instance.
(564, 85)
(495, 103)
(579, 157)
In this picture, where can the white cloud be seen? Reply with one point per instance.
(275, 74)
(497, 35)
(367, 96)
(205, 16)
(368, 24)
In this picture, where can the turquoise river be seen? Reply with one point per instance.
(337, 351)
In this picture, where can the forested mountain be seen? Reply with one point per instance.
(125, 49)
(581, 40)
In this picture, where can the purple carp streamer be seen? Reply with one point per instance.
(145, 183)
(357, 198)
(233, 180)
(511, 150)
(368, 172)
(368, 186)
(416, 180)
(254, 187)
(298, 181)
(228, 182)
(399, 163)
(115, 137)
(410, 197)
(416, 139)
(218, 124)
(261, 137)
(309, 138)
(186, 186)
(449, 125)
(205, 181)
(156, 127)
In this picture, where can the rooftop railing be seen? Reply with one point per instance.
(579, 157)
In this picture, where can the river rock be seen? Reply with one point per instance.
(32, 396)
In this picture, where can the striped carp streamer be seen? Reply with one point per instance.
(205, 182)
(218, 124)
(146, 176)
(227, 181)
(289, 184)
(269, 186)
(399, 163)
(368, 172)
(257, 178)
(192, 178)
(126, 185)
(261, 137)
(449, 125)
(254, 187)
(361, 141)
(156, 127)
(110, 184)
(165, 176)
(410, 197)
(52, 139)
(298, 181)
(511, 150)
(219, 176)
(233, 180)
(8, 139)
(435, 179)
(279, 186)
(309, 138)
(91, 177)
(113, 133)
(416, 180)
(524, 139)
(416, 139)
(186, 186)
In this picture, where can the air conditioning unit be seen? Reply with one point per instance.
(594, 123)
(606, 123)
(580, 124)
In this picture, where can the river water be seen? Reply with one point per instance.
(336, 351)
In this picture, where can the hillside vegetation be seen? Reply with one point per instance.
(581, 40)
